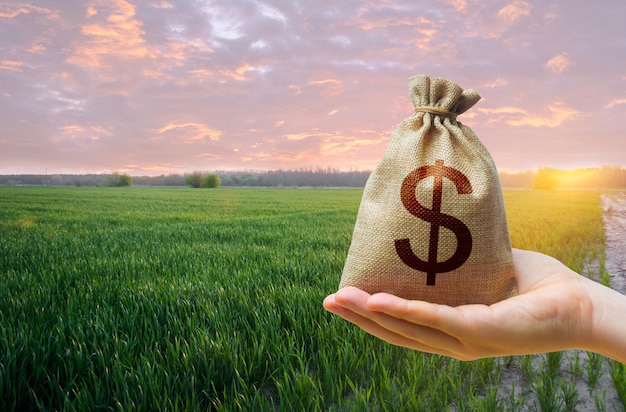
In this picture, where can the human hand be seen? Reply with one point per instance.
(556, 309)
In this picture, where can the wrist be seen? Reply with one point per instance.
(608, 334)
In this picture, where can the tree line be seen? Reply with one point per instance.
(605, 177)
(305, 177)
(545, 178)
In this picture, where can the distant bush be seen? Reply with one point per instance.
(198, 180)
(194, 179)
(119, 180)
(211, 181)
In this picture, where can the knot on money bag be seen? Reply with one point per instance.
(431, 225)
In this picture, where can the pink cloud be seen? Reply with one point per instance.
(615, 102)
(80, 133)
(515, 11)
(11, 11)
(554, 115)
(559, 63)
(190, 132)
(459, 5)
(119, 35)
(558, 113)
(330, 87)
(12, 65)
(498, 82)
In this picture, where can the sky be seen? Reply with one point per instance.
(174, 86)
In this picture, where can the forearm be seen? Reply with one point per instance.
(609, 322)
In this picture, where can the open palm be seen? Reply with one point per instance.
(553, 311)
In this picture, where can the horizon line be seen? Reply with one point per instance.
(315, 169)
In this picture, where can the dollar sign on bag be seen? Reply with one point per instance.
(436, 219)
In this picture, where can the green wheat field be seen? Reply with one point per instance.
(183, 299)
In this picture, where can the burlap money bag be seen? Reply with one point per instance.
(431, 225)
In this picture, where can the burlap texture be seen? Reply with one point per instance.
(400, 221)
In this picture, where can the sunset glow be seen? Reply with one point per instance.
(151, 87)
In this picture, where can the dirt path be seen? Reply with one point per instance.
(575, 364)
(614, 207)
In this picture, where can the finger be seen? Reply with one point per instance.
(416, 320)
(364, 322)
(440, 317)
(373, 328)
(351, 296)
(356, 300)
(349, 304)
(352, 305)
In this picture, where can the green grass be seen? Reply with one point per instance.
(182, 299)
(564, 224)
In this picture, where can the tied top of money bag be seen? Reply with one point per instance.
(441, 97)
(431, 225)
